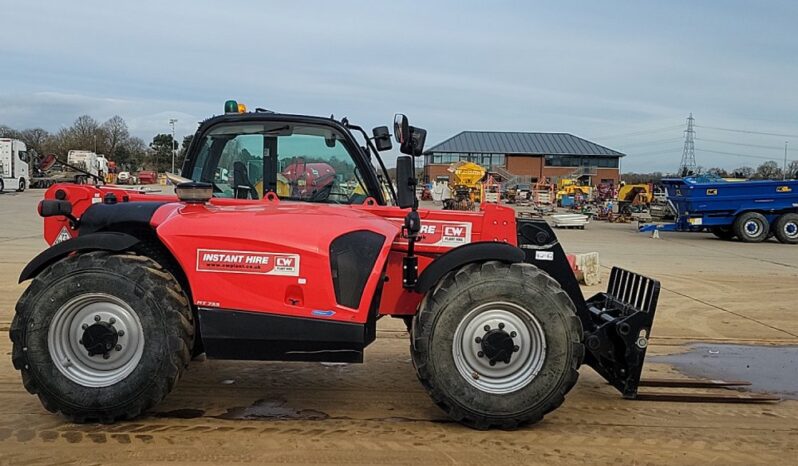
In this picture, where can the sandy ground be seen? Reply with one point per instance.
(377, 412)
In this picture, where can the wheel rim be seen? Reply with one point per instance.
(791, 230)
(95, 340)
(753, 228)
(507, 335)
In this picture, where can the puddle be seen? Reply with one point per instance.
(272, 409)
(770, 369)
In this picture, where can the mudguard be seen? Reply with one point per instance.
(462, 255)
(104, 241)
(616, 324)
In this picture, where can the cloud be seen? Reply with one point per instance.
(576, 67)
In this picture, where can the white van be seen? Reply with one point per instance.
(13, 165)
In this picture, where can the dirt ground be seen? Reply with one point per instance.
(378, 413)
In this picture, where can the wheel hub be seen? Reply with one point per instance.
(95, 339)
(99, 338)
(498, 345)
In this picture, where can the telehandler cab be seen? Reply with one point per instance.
(284, 242)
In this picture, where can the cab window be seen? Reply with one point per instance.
(303, 163)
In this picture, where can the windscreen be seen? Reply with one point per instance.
(303, 163)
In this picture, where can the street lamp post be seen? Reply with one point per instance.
(172, 122)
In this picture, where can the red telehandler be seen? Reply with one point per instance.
(136, 283)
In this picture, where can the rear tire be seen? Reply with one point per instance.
(458, 332)
(131, 306)
(786, 228)
(751, 227)
(726, 233)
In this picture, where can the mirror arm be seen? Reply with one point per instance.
(411, 230)
(379, 159)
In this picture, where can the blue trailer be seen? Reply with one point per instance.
(751, 211)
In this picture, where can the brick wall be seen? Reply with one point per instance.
(532, 166)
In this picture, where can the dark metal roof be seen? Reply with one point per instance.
(496, 142)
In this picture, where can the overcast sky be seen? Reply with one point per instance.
(597, 69)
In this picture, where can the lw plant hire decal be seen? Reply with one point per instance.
(251, 262)
(447, 234)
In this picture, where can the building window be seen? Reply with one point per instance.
(576, 161)
(562, 161)
(446, 158)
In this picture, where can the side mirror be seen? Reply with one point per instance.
(401, 129)
(405, 182)
(411, 139)
(382, 138)
(418, 137)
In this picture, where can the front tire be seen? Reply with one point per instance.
(21, 185)
(102, 337)
(497, 345)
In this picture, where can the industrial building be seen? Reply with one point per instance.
(525, 157)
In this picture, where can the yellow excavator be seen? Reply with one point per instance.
(633, 197)
(569, 187)
(465, 184)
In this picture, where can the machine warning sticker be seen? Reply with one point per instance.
(251, 262)
(63, 235)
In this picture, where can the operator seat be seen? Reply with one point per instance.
(241, 182)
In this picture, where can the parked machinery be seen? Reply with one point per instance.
(465, 184)
(135, 283)
(634, 198)
(751, 211)
(14, 160)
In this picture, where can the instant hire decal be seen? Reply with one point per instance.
(252, 262)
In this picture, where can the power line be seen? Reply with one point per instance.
(735, 154)
(663, 151)
(749, 132)
(637, 133)
(758, 146)
(661, 141)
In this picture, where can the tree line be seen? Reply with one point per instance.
(770, 170)
(111, 138)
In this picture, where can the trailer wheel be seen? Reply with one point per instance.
(102, 337)
(751, 227)
(726, 233)
(21, 185)
(786, 228)
(497, 345)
